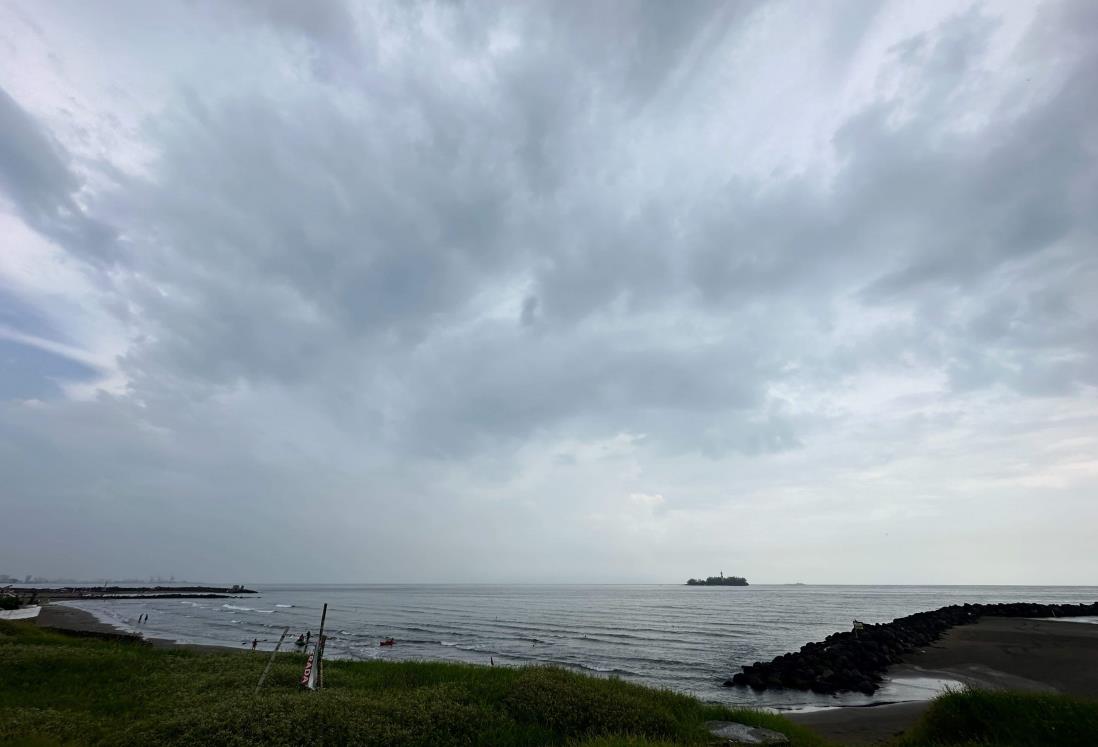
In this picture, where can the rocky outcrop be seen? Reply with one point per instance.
(857, 660)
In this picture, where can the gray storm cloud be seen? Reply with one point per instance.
(442, 289)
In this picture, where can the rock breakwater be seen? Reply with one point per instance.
(856, 661)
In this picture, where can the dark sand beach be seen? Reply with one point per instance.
(995, 654)
(81, 622)
(73, 620)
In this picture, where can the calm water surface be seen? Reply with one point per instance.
(688, 639)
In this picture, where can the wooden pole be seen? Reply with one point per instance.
(271, 661)
(320, 645)
(311, 674)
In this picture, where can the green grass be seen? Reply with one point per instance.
(1005, 719)
(57, 689)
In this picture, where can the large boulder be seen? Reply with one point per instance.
(730, 732)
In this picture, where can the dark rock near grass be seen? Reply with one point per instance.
(856, 661)
(730, 732)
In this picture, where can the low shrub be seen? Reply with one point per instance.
(1006, 719)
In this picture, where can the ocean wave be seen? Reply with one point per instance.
(234, 607)
(284, 605)
(601, 669)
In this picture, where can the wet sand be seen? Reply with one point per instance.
(995, 653)
(73, 620)
(81, 622)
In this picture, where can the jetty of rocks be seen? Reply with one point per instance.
(32, 594)
(856, 661)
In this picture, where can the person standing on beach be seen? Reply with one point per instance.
(255, 642)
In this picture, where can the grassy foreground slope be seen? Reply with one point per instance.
(58, 689)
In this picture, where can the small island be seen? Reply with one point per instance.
(720, 580)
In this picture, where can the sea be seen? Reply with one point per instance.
(689, 639)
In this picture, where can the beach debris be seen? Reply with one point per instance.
(731, 732)
(21, 613)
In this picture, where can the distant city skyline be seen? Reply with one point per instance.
(30, 578)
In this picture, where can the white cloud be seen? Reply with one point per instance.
(651, 501)
(517, 292)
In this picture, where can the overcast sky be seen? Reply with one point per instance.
(609, 291)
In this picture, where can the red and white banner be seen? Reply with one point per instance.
(308, 677)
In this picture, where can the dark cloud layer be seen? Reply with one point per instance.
(37, 179)
(449, 263)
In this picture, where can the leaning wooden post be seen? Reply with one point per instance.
(309, 676)
(320, 645)
(271, 661)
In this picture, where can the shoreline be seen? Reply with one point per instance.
(64, 618)
(993, 653)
